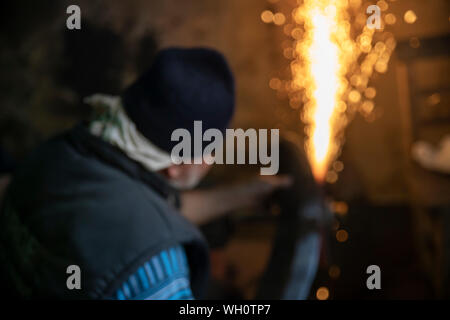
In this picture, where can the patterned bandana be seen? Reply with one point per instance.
(112, 124)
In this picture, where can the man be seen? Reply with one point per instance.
(102, 196)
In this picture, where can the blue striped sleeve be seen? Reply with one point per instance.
(163, 277)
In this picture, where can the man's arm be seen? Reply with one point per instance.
(203, 206)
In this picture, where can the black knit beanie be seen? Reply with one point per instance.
(181, 86)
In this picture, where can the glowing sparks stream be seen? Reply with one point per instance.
(334, 53)
(326, 52)
(327, 72)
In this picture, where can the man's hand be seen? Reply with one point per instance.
(256, 190)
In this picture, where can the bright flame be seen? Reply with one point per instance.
(325, 62)
(324, 70)
(324, 57)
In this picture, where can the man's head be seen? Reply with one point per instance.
(182, 86)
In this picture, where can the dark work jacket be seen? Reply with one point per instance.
(79, 201)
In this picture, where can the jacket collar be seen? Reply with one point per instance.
(85, 142)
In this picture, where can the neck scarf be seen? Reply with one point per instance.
(112, 124)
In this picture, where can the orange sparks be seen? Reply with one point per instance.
(324, 58)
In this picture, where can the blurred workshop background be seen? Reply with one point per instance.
(389, 188)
